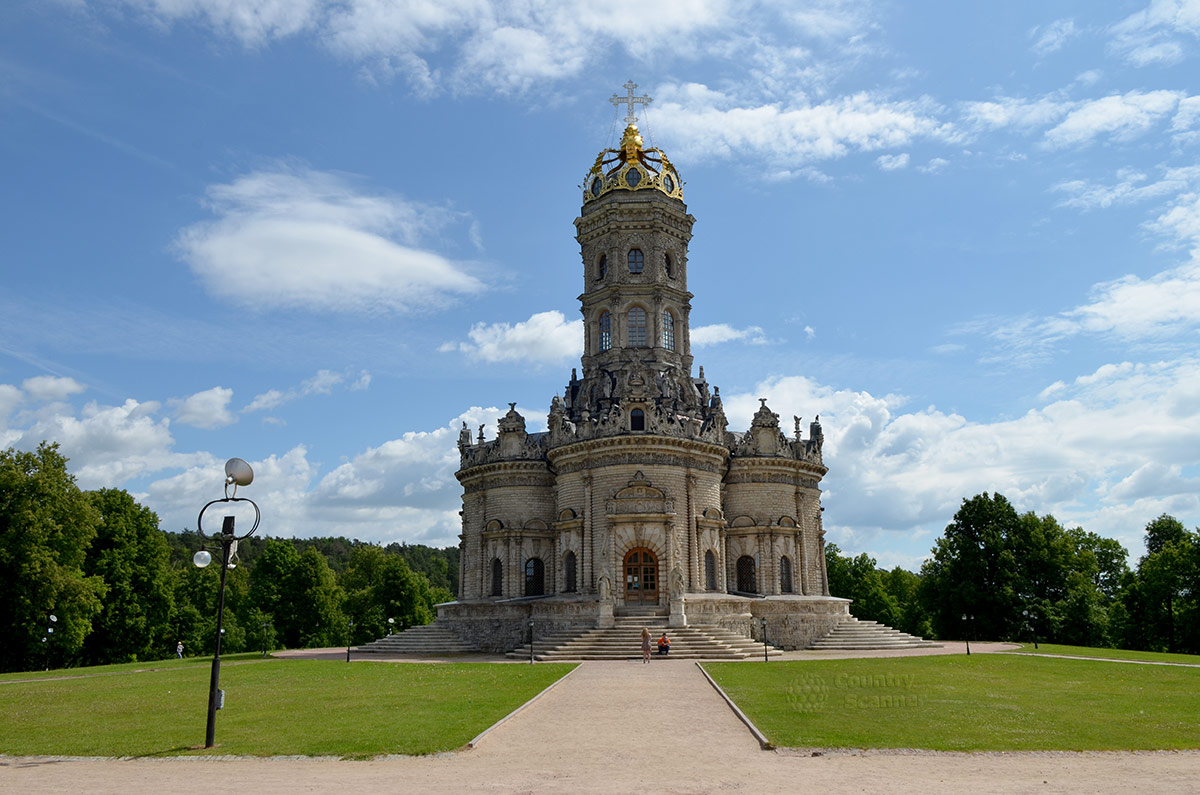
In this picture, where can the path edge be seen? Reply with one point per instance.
(477, 738)
(763, 742)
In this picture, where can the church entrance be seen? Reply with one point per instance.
(641, 577)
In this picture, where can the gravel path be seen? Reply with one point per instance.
(620, 727)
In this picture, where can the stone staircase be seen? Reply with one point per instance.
(425, 641)
(853, 634)
(623, 641)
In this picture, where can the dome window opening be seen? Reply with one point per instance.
(668, 335)
(605, 331)
(667, 265)
(637, 327)
(637, 261)
(633, 177)
(602, 267)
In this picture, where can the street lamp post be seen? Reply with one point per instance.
(969, 621)
(349, 639)
(237, 473)
(391, 626)
(46, 639)
(1029, 617)
(265, 624)
(764, 636)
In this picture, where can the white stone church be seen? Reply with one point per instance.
(637, 500)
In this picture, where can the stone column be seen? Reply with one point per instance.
(693, 544)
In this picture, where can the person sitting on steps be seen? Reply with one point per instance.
(664, 645)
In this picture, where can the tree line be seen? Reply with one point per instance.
(119, 589)
(1023, 576)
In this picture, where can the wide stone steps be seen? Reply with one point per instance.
(624, 641)
(853, 634)
(425, 641)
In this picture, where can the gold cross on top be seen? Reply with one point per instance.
(629, 101)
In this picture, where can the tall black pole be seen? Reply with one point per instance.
(214, 682)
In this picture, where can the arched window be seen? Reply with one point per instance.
(667, 264)
(535, 577)
(668, 331)
(569, 572)
(785, 574)
(605, 331)
(746, 581)
(637, 262)
(602, 266)
(710, 570)
(637, 327)
(497, 577)
(637, 420)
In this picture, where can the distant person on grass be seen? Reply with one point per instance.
(179, 650)
(645, 644)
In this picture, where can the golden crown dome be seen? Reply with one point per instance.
(632, 167)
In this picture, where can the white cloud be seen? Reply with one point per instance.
(107, 445)
(1052, 37)
(1081, 457)
(51, 387)
(1155, 34)
(718, 333)
(320, 384)
(935, 166)
(207, 409)
(252, 22)
(1123, 116)
(1130, 187)
(892, 162)
(10, 398)
(544, 337)
(1022, 114)
(705, 124)
(810, 332)
(295, 237)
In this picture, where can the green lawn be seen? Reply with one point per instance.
(310, 707)
(985, 702)
(1110, 654)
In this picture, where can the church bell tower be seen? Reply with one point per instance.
(633, 233)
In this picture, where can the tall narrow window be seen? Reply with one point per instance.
(535, 577)
(637, 327)
(569, 572)
(497, 577)
(602, 266)
(785, 574)
(637, 262)
(668, 331)
(637, 420)
(747, 582)
(605, 331)
(667, 264)
(710, 570)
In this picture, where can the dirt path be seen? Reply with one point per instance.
(607, 728)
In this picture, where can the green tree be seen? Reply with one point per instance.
(1164, 530)
(972, 570)
(860, 579)
(46, 528)
(130, 555)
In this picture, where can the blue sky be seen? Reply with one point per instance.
(320, 235)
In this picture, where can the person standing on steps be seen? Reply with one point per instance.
(645, 644)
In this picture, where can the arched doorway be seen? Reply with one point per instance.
(641, 577)
(746, 581)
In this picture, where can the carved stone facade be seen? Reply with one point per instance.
(637, 499)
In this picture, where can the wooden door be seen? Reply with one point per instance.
(641, 577)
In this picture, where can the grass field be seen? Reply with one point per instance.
(135, 667)
(985, 702)
(1110, 654)
(310, 707)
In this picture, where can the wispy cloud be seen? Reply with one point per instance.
(291, 236)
